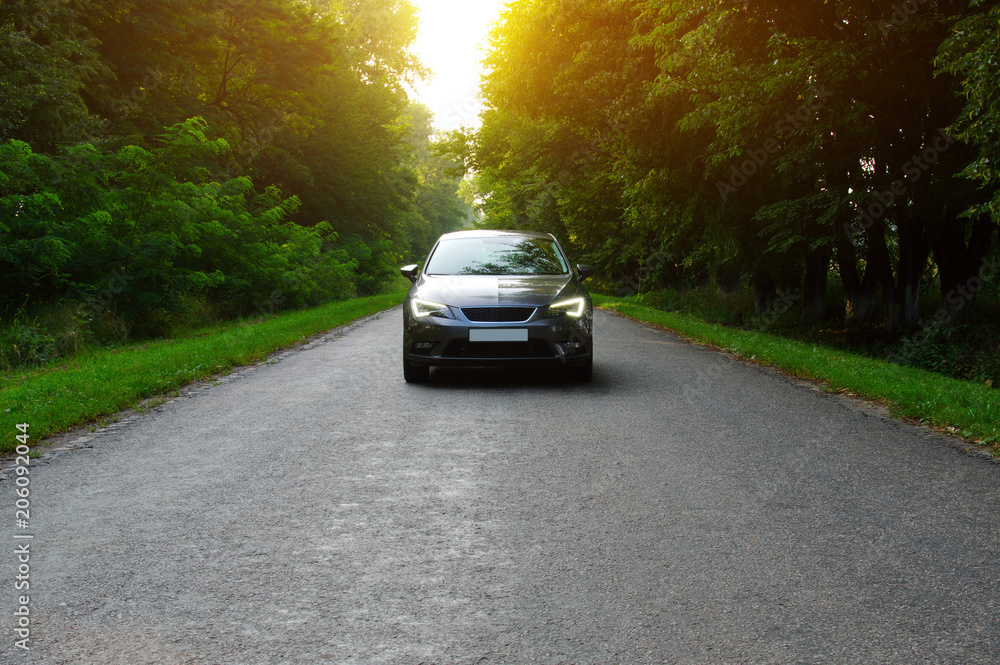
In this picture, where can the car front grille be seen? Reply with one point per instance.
(498, 314)
(534, 348)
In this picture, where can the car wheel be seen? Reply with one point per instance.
(581, 372)
(415, 373)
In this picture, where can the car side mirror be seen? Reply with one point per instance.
(585, 271)
(410, 272)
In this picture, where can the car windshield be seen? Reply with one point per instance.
(497, 256)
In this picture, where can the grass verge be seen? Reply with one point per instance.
(966, 409)
(90, 386)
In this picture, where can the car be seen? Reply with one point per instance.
(497, 298)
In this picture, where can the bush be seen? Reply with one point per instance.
(24, 343)
(706, 302)
(143, 240)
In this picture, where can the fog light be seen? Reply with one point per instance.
(424, 346)
(576, 346)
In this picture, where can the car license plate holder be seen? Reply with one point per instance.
(498, 335)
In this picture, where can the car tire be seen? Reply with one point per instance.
(415, 373)
(581, 372)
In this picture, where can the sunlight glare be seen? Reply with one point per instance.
(451, 40)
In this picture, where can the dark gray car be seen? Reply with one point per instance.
(497, 298)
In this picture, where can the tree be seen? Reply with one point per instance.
(972, 54)
(764, 141)
(46, 59)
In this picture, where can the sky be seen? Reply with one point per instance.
(450, 42)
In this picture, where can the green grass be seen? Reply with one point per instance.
(968, 409)
(98, 384)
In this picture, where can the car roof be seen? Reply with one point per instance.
(480, 233)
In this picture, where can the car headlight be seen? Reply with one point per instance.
(423, 308)
(574, 307)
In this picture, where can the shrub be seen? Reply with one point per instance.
(145, 240)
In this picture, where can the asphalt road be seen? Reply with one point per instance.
(683, 507)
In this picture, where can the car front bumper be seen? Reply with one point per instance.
(561, 340)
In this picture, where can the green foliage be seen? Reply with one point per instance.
(743, 140)
(143, 232)
(46, 58)
(706, 302)
(545, 152)
(972, 53)
(22, 342)
(939, 353)
(164, 162)
(964, 351)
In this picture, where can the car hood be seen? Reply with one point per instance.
(486, 290)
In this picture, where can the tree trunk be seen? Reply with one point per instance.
(959, 262)
(880, 267)
(900, 292)
(764, 291)
(909, 299)
(859, 292)
(814, 286)
(914, 251)
(727, 281)
(861, 306)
